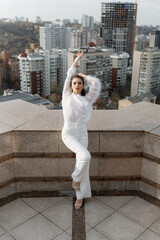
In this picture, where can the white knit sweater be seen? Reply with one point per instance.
(77, 108)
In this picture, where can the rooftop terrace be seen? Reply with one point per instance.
(36, 197)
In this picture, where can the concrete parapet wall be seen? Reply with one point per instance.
(33, 157)
(39, 161)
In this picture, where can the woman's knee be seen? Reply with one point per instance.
(86, 155)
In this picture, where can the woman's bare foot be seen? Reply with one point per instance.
(76, 185)
(78, 203)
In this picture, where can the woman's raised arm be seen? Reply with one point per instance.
(94, 85)
(71, 71)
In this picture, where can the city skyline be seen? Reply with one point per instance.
(52, 9)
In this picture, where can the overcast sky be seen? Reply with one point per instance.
(148, 10)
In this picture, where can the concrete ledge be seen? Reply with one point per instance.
(124, 145)
(6, 144)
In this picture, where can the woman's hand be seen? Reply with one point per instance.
(82, 75)
(79, 56)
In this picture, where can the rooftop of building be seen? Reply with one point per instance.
(121, 55)
(30, 56)
(15, 95)
(88, 49)
(151, 49)
(36, 197)
(25, 115)
(141, 97)
(121, 3)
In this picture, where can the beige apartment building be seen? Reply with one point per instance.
(95, 62)
(146, 72)
(119, 63)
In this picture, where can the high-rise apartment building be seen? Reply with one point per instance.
(5, 55)
(14, 75)
(155, 39)
(62, 67)
(38, 19)
(54, 70)
(83, 36)
(118, 26)
(47, 37)
(75, 21)
(135, 72)
(95, 62)
(141, 42)
(50, 72)
(9, 71)
(31, 73)
(119, 63)
(76, 39)
(146, 72)
(67, 37)
(54, 37)
(1, 74)
(66, 21)
(88, 21)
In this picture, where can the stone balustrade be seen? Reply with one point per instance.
(124, 145)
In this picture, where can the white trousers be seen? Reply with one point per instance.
(75, 137)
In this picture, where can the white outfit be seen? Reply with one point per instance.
(76, 112)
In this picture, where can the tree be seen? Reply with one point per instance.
(114, 99)
(100, 103)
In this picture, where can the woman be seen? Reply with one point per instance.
(77, 107)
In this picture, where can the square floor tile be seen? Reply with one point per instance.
(87, 227)
(141, 211)
(63, 236)
(115, 201)
(7, 237)
(96, 211)
(156, 227)
(149, 235)
(69, 231)
(37, 228)
(119, 227)
(15, 213)
(60, 213)
(2, 231)
(94, 235)
(40, 204)
(70, 198)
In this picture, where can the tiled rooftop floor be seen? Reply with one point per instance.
(106, 218)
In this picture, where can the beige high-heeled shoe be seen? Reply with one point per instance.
(78, 204)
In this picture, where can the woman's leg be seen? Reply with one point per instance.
(85, 188)
(81, 172)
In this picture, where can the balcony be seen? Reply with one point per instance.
(35, 168)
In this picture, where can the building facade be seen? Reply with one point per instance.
(47, 37)
(155, 39)
(55, 70)
(95, 62)
(118, 26)
(54, 37)
(9, 71)
(88, 21)
(147, 72)
(141, 42)
(119, 63)
(62, 67)
(14, 75)
(31, 73)
(1, 74)
(82, 37)
(135, 72)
